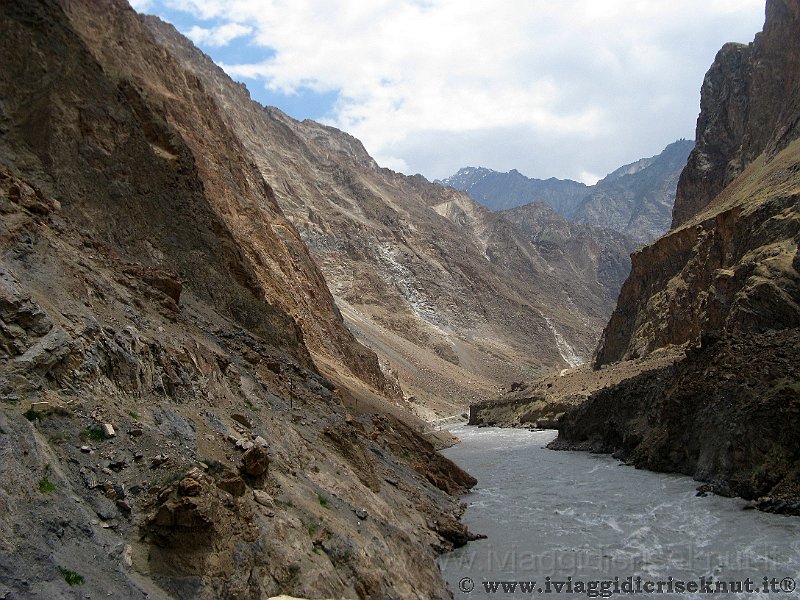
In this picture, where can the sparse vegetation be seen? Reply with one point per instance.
(294, 570)
(323, 501)
(134, 415)
(46, 486)
(71, 577)
(60, 411)
(94, 434)
(32, 415)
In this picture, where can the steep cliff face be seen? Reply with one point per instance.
(731, 261)
(452, 296)
(592, 254)
(749, 105)
(278, 260)
(725, 282)
(164, 429)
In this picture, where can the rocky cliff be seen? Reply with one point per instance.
(165, 430)
(748, 108)
(730, 261)
(635, 200)
(725, 283)
(452, 297)
(596, 254)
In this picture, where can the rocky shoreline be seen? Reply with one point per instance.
(726, 415)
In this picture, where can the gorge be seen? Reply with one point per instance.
(229, 338)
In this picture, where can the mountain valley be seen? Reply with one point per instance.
(231, 342)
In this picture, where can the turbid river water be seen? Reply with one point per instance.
(587, 523)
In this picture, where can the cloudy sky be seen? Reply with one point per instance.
(552, 88)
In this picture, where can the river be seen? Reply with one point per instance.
(587, 517)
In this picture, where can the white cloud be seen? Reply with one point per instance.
(218, 36)
(140, 5)
(575, 88)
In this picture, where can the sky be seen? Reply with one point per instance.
(553, 88)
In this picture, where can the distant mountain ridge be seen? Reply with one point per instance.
(635, 199)
(503, 191)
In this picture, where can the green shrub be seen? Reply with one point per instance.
(59, 438)
(46, 486)
(32, 415)
(71, 577)
(94, 434)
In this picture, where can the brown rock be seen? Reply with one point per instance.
(190, 513)
(233, 484)
(189, 487)
(242, 420)
(263, 498)
(255, 461)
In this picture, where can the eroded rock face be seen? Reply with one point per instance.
(727, 414)
(735, 271)
(421, 272)
(748, 105)
(150, 287)
(729, 262)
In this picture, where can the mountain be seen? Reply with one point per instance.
(451, 296)
(167, 428)
(593, 253)
(501, 191)
(635, 199)
(724, 283)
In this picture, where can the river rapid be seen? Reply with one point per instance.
(587, 523)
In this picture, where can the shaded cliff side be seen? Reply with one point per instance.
(749, 106)
(164, 429)
(725, 283)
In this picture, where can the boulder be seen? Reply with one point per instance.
(255, 461)
(233, 484)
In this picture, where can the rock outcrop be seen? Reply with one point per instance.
(726, 414)
(594, 254)
(725, 283)
(730, 262)
(749, 106)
